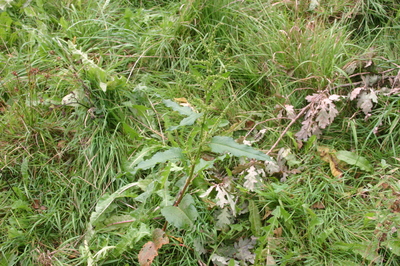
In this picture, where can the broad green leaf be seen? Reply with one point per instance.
(187, 205)
(226, 144)
(182, 216)
(176, 217)
(183, 110)
(187, 121)
(255, 219)
(116, 82)
(115, 222)
(203, 164)
(354, 159)
(161, 157)
(367, 250)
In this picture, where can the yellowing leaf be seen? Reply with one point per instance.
(328, 155)
(159, 238)
(181, 100)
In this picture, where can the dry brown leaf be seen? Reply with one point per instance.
(278, 232)
(318, 205)
(147, 254)
(149, 250)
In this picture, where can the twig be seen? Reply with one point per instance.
(288, 126)
(259, 123)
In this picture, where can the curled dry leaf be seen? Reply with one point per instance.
(328, 155)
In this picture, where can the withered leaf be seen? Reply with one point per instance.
(318, 205)
(149, 250)
(159, 238)
(147, 254)
(328, 155)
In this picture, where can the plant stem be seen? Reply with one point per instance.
(191, 176)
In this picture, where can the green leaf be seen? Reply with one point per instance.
(183, 110)
(133, 134)
(161, 157)
(187, 205)
(176, 217)
(138, 158)
(354, 159)
(183, 216)
(106, 201)
(255, 219)
(132, 236)
(188, 121)
(393, 245)
(226, 144)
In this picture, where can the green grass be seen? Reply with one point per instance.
(86, 181)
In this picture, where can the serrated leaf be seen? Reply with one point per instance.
(226, 144)
(255, 219)
(243, 247)
(105, 202)
(160, 157)
(354, 159)
(131, 236)
(223, 218)
(183, 110)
